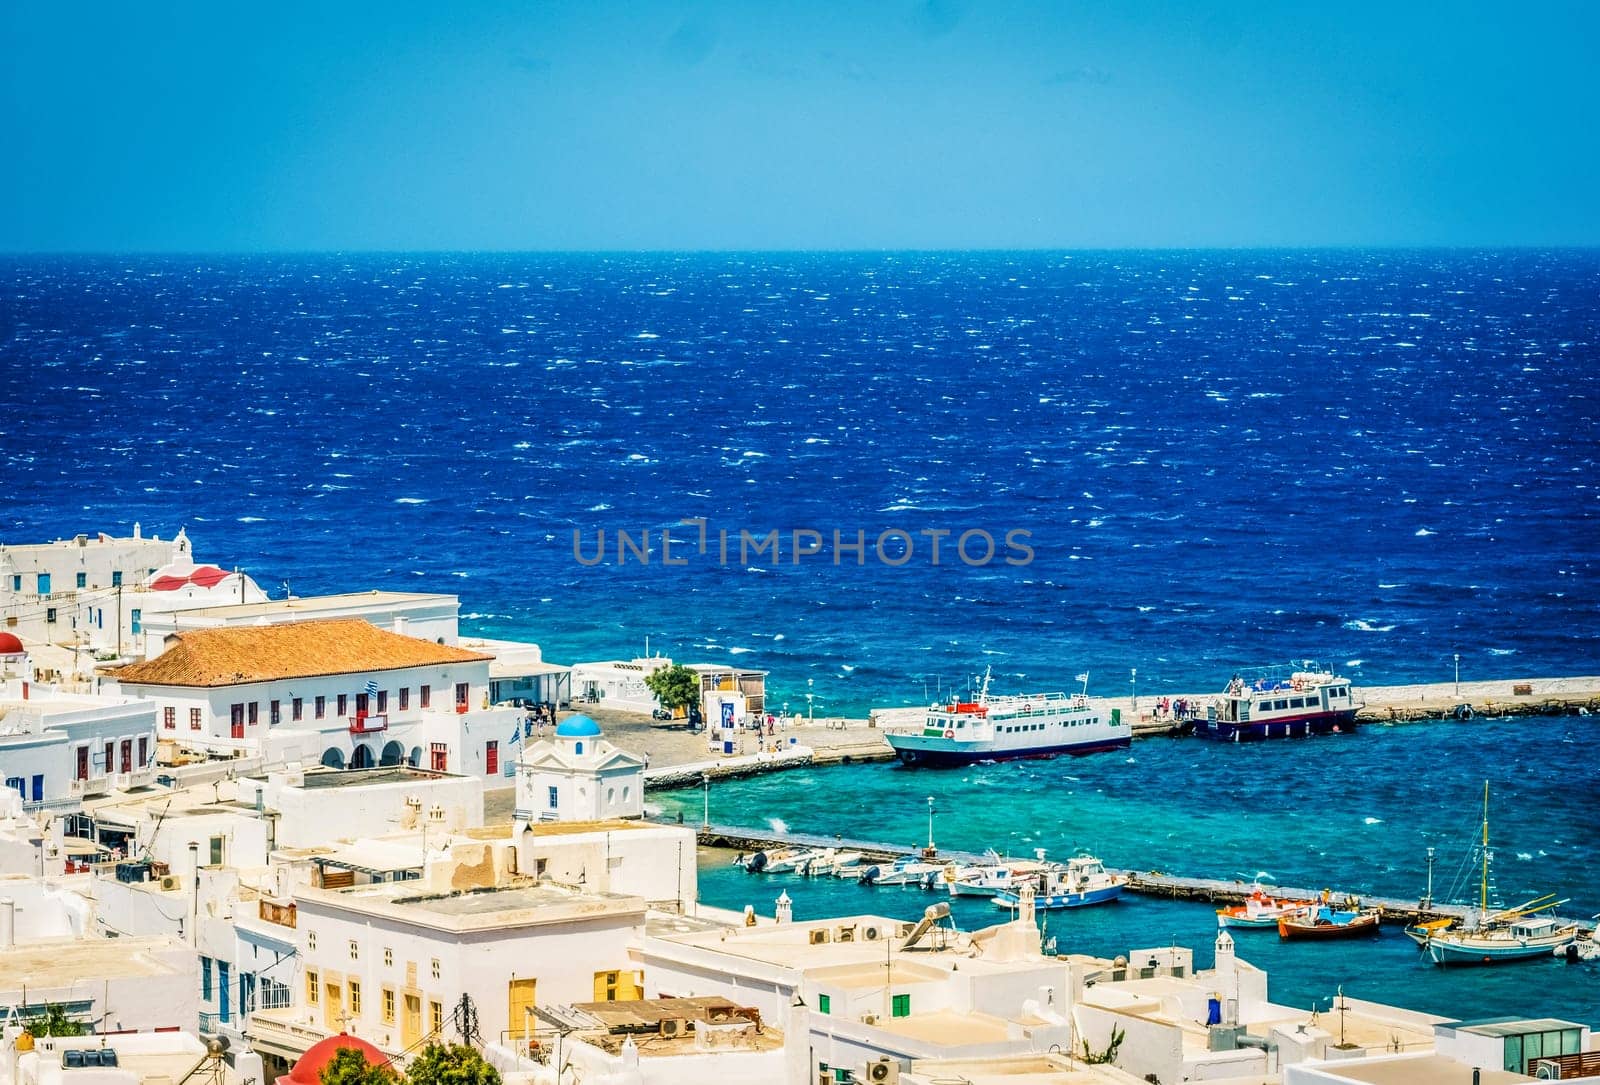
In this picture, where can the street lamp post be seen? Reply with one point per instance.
(811, 717)
(1133, 687)
(930, 824)
(1458, 674)
(705, 786)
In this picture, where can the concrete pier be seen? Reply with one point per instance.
(1144, 883)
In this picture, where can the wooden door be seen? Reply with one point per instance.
(520, 998)
(333, 1007)
(411, 1020)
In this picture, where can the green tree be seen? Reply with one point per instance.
(675, 686)
(451, 1064)
(53, 1022)
(350, 1067)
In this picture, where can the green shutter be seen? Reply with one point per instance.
(901, 1006)
(824, 1003)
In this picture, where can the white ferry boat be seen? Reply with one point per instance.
(1009, 727)
(1312, 701)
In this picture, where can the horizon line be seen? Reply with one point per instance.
(802, 251)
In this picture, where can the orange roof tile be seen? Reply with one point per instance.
(240, 655)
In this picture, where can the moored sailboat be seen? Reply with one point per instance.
(1487, 936)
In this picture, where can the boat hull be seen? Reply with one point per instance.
(915, 751)
(1299, 726)
(966, 889)
(1495, 950)
(1359, 927)
(1056, 901)
(1248, 922)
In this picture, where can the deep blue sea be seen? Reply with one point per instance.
(1213, 460)
(1223, 458)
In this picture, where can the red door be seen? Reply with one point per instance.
(439, 757)
(236, 721)
(491, 757)
(83, 762)
(144, 751)
(127, 755)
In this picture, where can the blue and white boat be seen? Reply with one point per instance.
(1010, 727)
(1292, 704)
(1083, 881)
(994, 875)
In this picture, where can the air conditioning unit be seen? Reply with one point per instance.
(869, 1019)
(883, 1071)
(673, 1027)
(1546, 1070)
(170, 882)
(819, 937)
(846, 934)
(871, 934)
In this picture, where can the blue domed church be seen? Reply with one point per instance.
(579, 776)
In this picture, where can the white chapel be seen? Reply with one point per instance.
(579, 776)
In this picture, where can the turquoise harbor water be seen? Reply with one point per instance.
(1354, 814)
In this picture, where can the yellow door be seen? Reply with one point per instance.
(411, 1020)
(333, 1007)
(519, 996)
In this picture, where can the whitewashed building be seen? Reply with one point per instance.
(341, 692)
(57, 748)
(579, 776)
(395, 962)
(617, 684)
(93, 593)
(50, 954)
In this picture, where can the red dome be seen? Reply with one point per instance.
(308, 1070)
(10, 645)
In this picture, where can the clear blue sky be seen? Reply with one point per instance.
(905, 123)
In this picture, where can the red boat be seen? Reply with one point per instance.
(1324, 922)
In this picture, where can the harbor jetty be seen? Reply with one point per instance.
(677, 757)
(1149, 883)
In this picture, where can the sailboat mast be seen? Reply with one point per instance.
(1483, 887)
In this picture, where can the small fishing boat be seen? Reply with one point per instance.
(986, 881)
(1322, 921)
(839, 864)
(1308, 701)
(907, 870)
(1580, 949)
(1001, 728)
(760, 862)
(1083, 881)
(795, 862)
(1261, 910)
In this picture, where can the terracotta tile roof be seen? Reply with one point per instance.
(268, 653)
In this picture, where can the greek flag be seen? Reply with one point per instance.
(1083, 678)
(372, 688)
